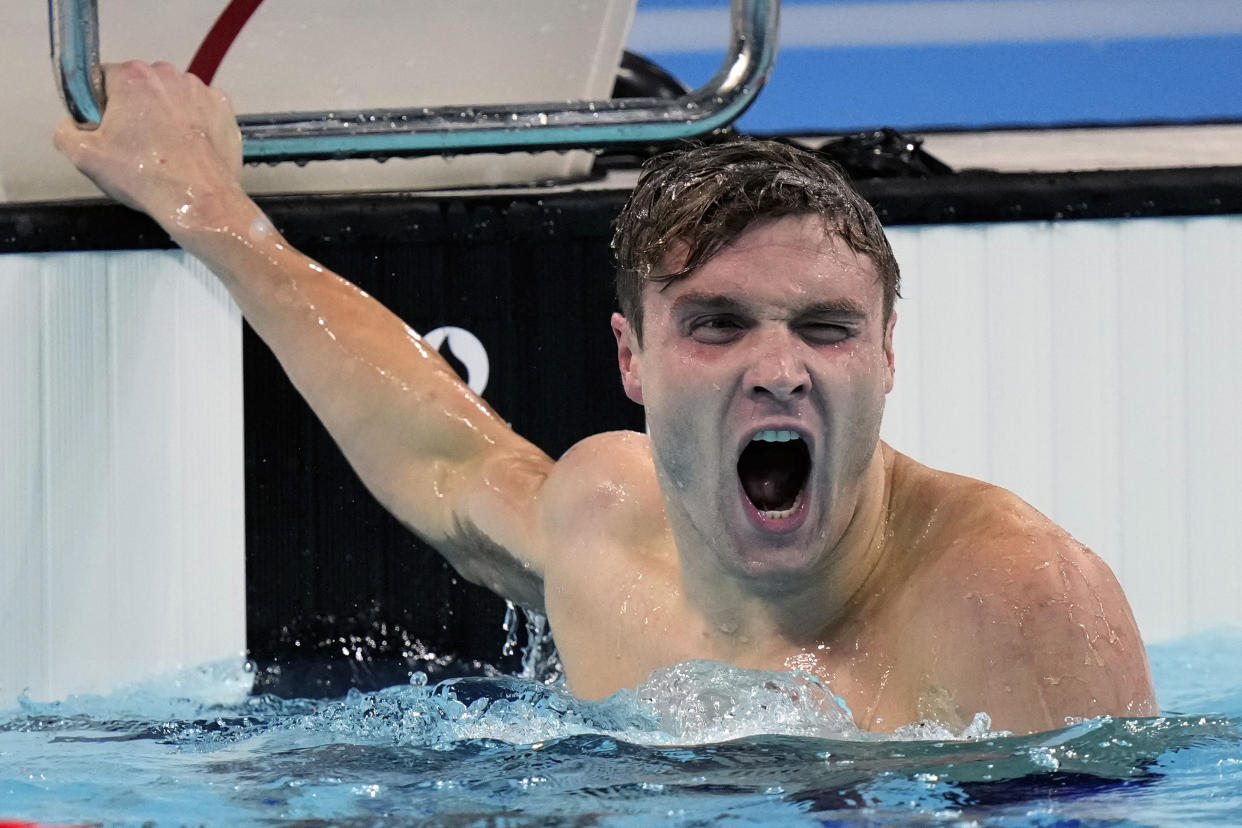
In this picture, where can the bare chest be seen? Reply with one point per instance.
(617, 638)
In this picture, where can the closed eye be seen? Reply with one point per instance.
(824, 333)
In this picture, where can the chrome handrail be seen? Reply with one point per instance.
(74, 28)
(304, 136)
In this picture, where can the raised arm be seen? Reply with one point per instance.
(432, 452)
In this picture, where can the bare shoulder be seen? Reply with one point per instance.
(975, 528)
(608, 482)
(1020, 619)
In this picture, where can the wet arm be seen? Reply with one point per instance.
(431, 451)
(1086, 657)
(1054, 640)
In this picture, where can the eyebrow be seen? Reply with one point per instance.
(842, 308)
(698, 300)
(701, 301)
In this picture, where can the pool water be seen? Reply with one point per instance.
(698, 743)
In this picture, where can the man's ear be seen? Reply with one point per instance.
(888, 350)
(628, 358)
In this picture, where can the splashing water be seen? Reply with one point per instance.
(540, 661)
(700, 741)
(705, 701)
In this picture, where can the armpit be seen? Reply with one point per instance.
(484, 562)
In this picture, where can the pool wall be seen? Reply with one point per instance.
(1084, 356)
(1095, 368)
(121, 477)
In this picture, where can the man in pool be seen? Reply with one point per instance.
(762, 522)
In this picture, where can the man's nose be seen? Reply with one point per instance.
(777, 369)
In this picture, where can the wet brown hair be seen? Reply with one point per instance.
(706, 196)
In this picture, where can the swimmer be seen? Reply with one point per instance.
(762, 523)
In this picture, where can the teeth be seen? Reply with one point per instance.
(775, 436)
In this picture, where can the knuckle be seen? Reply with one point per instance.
(72, 142)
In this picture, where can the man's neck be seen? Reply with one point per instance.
(743, 613)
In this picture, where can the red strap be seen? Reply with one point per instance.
(217, 42)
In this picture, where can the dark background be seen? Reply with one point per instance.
(328, 570)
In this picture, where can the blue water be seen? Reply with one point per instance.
(694, 745)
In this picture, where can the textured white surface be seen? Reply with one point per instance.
(324, 55)
(121, 483)
(1095, 369)
(1119, 148)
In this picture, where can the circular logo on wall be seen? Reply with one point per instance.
(465, 352)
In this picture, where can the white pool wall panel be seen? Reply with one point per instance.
(1095, 369)
(122, 470)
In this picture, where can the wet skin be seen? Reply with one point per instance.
(914, 593)
(782, 330)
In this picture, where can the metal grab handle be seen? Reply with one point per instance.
(74, 26)
(304, 136)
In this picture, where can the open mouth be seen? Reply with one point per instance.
(773, 469)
